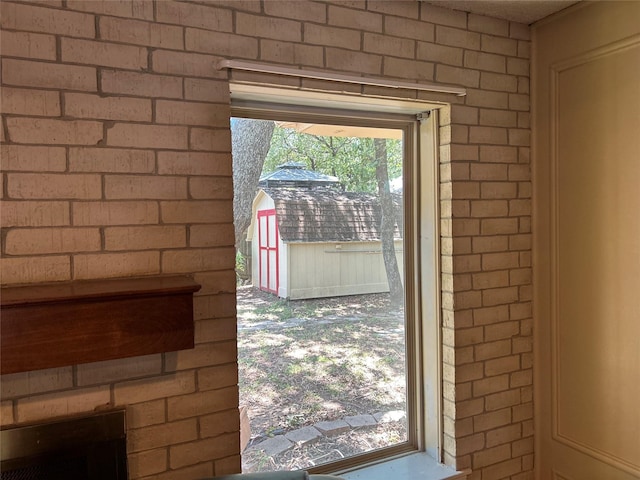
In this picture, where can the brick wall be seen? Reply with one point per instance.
(116, 162)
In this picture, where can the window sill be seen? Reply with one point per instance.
(408, 467)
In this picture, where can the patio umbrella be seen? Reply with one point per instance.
(324, 130)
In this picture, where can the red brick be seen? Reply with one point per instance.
(211, 235)
(147, 463)
(216, 282)
(499, 226)
(197, 260)
(28, 45)
(499, 82)
(26, 73)
(202, 16)
(486, 98)
(62, 404)
(503, 435)
(107, 265)
(210, 140)
(137, 32)
(219, 423)
(35, 159)
(499, 296)
(144, 238)
(498, 154)
(119, 187)
(54, 132)
(38, 381)
(214, 211)
(49, 20)
(35, 269)
(155, 436)
(81, 105)
(191, 64)
(485, 61)
(216, 307)
(440, 54)
(221, 44)
(298, 10)
(191, 163)
(489, 208)
(30, 102)
(410, 68)
(34, 214)
(120, 160)
(141, 84)
(102, 53)
(219, 329)
(193, 113)
(119, 8)
(495, 349)
(491, 279)
(218, 188)
(217, 377)
(204, 450)
(291, 53)
(457, 38)
(54, 186)
(490, 456)
(145, 414)
(385, 45)
(338, 59)
(497, 190)
(30, 241)
(444, 16)
(211, 401)
(486, 24)
(147, 136)
(215, 91)
(268, 27)
(115, 213)
(498, 118)
(401, 8)
(503, 469)
(332, 36)
(111, 371)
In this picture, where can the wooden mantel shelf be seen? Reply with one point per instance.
(60, 324)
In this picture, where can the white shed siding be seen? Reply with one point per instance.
(323, 270)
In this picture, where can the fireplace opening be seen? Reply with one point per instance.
(87, 448)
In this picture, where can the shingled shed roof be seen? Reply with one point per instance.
(326, 215)
(294, 174)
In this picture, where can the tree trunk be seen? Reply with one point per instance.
(251, 140)
(387, 223)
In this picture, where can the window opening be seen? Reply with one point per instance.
(328, 330)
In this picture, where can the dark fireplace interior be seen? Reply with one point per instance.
(87, 448)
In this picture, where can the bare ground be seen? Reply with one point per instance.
(306, 361)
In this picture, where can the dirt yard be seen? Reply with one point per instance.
(308, 361)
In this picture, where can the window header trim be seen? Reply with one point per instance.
(336, 77)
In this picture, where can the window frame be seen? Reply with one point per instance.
(423, 364)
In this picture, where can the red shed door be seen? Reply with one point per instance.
(268, 250)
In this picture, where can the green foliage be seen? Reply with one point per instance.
(351, 159)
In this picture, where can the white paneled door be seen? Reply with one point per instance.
(268, 250)
(587, 243)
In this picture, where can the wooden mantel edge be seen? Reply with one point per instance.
(71, 323)
(85, 290)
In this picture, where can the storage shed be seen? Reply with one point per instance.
(309, 242)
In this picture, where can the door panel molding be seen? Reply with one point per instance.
(586, 256)
(566, 437)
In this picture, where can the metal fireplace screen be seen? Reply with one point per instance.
(88, 448)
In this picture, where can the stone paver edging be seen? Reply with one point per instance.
(278, 444)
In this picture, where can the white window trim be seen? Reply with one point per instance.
(426, 268)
